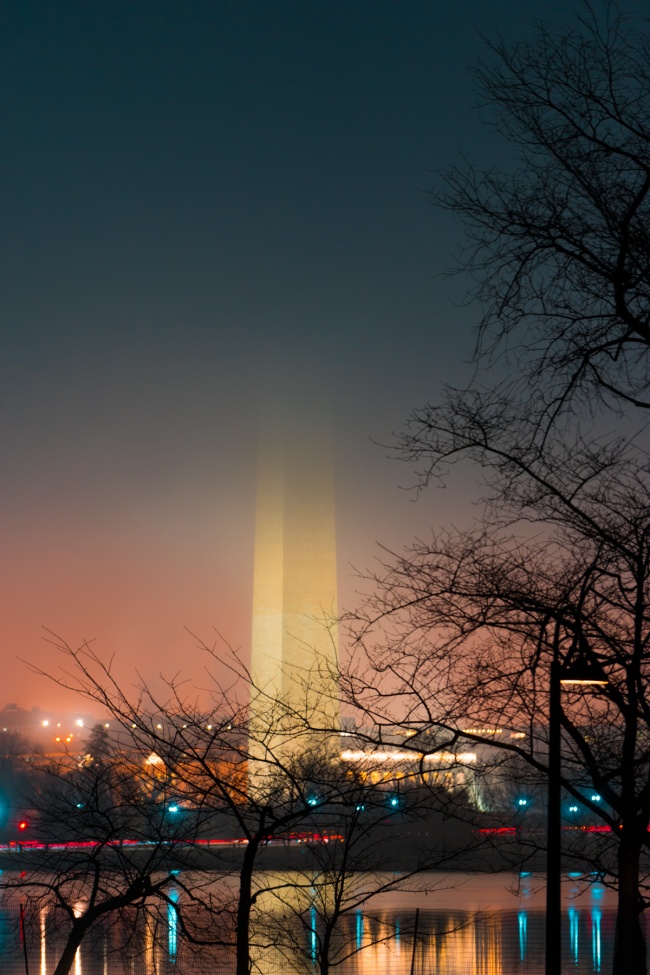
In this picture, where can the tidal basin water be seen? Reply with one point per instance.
(467, 924)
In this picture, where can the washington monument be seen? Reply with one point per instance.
(294, 646)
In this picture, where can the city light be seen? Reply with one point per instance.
(482, 731)
(464, 758)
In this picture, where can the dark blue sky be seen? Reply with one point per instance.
(195, 195)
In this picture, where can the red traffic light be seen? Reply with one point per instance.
(22, 824)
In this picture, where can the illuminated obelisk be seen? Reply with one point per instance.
(294, 647)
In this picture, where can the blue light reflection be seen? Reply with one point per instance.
(574, 933)
(359, 929)
(313, 936)
(596, 947)
(522, 919)
(172, 925)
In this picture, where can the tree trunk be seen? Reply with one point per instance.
(325, 950)
(75, 938)
(629, 942)
(242, 938)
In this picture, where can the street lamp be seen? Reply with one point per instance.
(580, 672)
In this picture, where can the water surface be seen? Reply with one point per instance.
(466, 924)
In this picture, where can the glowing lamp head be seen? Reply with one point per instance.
(582, 672)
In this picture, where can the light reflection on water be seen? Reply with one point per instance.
(42, 917)
(574, 934)
(596, 948)
(506, 938)
(522, 917)
(359, 924)
(313, 934)
(172, 925)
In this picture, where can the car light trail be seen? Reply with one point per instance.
(25, 846)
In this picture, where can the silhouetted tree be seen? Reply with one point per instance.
(254, 785)
(559, 249)
(235, 777)
(361, 856)
(559, 245)
(98, 851)
(462, 630)
(99, 747)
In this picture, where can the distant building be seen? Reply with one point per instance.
(47, 727)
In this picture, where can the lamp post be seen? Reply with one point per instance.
(579, 672)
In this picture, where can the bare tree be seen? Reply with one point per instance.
(99, 850)
(559, 246)
(343, 877)
(251, 785)
(462, 631)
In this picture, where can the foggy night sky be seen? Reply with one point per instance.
(196, 195)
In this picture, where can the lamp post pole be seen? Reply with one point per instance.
(553, 830)
(580, 671)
